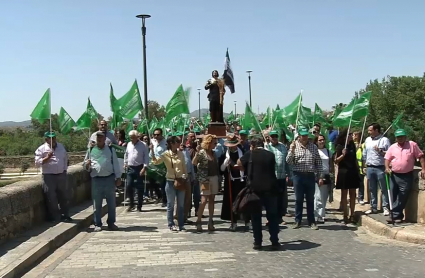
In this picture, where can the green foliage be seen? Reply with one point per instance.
(25, 141)
(394, 95)
(24, 167)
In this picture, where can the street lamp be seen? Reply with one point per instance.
(145, 81)
(249, 81)
(235, 109)
(199, 103)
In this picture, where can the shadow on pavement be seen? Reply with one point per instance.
(299, 245)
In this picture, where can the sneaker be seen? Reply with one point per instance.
(361, 202)
(257, 246)
(97, 229)
(113, 227)
(297, 225)
(314, 227)
(371, 211)
(233, 227)
(386, 212)
(174, 229)
(130, 208)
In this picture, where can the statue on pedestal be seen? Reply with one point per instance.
(215, 85)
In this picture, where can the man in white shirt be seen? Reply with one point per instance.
(376, 145)
(136, 161)
(53, 159)
(102, 163)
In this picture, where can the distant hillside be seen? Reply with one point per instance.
(15, 124)
(203, 112)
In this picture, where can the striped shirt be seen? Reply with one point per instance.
(282, 168)
(305, 159)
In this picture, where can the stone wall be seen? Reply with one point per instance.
(22, 204)
(415, 208)
(16, 161)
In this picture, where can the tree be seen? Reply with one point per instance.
(24, 167)
(155, 110)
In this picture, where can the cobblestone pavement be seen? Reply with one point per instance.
(144, 247)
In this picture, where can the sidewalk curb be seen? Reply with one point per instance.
(382, 229)
(46, 246)
(397, 233)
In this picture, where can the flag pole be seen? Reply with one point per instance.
(349, 125)
(364, 125)
(298, 111)
(50, 120)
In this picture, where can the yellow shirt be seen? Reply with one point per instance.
(175, 164)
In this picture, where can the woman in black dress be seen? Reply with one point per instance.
(234, 176)
(348, 178)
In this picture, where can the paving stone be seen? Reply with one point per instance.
(144, 247)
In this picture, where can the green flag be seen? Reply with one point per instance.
(361, 108)
(91, 111)
(115, 122)
(42, 111)
(250, 120)
(318, 115)
(290, 112)
(129, 104)
(177, 105)
(231, 117)
(120, 151)
(66, 123)
(112, 99)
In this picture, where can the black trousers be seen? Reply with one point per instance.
(216, 111)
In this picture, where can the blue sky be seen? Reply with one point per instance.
(327, 48)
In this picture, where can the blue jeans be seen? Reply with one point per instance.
(103, 187)
(135, 181)
(304, 185)
(172, 193)
(269, 201)
(375, 175)
(361, 188)
(401, 185)
(163, 191)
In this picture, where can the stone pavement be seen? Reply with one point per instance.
(144, 247)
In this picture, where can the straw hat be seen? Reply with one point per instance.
(232, 140)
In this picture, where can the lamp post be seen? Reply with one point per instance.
(199, 103)
(143, 17)
(249, 81)
(236, 115)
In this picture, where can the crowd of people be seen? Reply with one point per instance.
(198, 166)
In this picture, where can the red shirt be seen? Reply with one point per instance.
(403, 158)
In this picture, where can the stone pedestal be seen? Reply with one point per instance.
(217, 129)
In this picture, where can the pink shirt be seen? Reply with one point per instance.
(403, 158)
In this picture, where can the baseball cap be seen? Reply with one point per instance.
(400, 132)
(303, 131)
(273, 132)
(243, 132)
(49, 134)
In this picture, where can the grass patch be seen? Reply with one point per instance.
(6, 182)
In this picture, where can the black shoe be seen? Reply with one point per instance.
(66, 219)
(163, 205)
(276, 246)
(297, 225)
(113, 227)
(130, 208)
(257, 246)
(156, 202)
(139, 209)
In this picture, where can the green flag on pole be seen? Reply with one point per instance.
(177, 105)
(42, 111)
(129, 104)
(66, 123)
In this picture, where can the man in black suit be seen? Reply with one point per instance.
(216, 107)
(261, 178)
